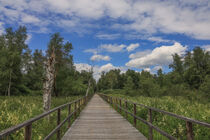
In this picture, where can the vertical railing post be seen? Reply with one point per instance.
(134, 113)
(79, 105)
(117, 101)
(126, 108)
(120, 105)
(69, 112)
(150, 128)
(113, 101)
(28, 130)
(189, 130)
(75, 110)
(58, 122)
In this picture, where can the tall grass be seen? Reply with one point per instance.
(178, 105)
(17, 109)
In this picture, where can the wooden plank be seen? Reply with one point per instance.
(100, 121)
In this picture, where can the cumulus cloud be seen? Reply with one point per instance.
(140, 54)
(95, 51)
(155, 69)
(30, 19)
(147, 69)
(29, 37)
(189, 17)
(112, 47)
(97, 70)
(98, 57)
(1, 28)
(206, 48)
(159, 56)
(132, 47)
(158, 39)
(108, 36)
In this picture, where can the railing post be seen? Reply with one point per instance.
(79, 105)
(120, 105)
(126, 108)
(116, 104)
(69, 112)
(150, 128)
(58, 122)
(113, 102)
(134, 113)
(189, 130)
(75, 110)
(28, 129)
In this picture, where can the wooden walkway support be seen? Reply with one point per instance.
(100, 121)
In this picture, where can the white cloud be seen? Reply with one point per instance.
(132, 47)
(30, 19)
(159, 56)
(112, 47)
(206, 48)
(189, 17)
(1, 28)
(94, 51)
(82, 66)
(158, 39)
(97, 70)
(155, 69)
(147, 69)
(29, 37)
(98, 57)
(108, 36)
(140, 54)
(107, 67)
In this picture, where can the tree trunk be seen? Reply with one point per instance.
(10, 82)
(49, 82)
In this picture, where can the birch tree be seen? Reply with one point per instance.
(48, 81)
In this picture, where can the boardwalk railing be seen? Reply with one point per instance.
(117, 104)
(77, 104)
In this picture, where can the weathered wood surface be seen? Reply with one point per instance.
(99, 121)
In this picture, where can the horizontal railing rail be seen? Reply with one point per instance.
(117, 104)
(78, 104)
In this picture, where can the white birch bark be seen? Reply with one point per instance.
(49, 82)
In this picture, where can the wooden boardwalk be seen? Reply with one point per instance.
(99, 121)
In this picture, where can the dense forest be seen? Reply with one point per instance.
(189, 76)
(22, 70)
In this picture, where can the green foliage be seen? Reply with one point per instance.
(17, 109)
(178, 105)
(189, 74)
(22, 71)
(12, 47)
(129, 85)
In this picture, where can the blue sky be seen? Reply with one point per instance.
(109, 34)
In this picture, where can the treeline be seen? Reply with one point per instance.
(22, 71)
(190, 75)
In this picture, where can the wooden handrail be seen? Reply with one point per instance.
(189, 121)
(27, 124)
